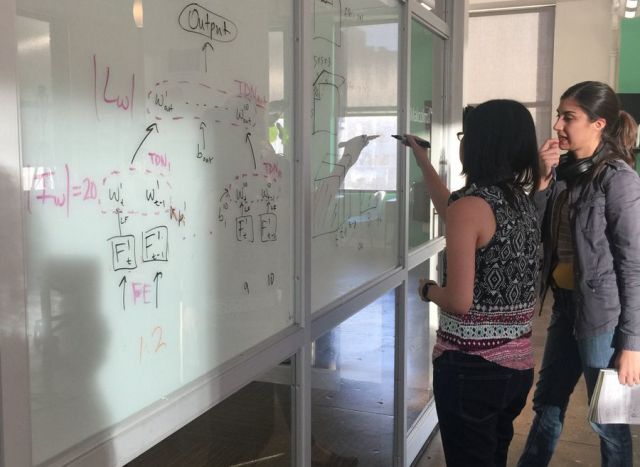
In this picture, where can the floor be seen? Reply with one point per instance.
(578, 444)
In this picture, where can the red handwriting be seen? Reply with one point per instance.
(46, 178)
(87, 189)
(44, 189)
(251, 92)
(157, 342)
(124, 102)
(159, 160)
(272, 169)
(141, 292)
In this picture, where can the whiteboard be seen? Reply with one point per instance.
(157, 179)
(353, 156)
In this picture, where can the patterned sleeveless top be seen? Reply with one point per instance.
(498, 325)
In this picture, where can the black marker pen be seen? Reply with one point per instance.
(421, 142)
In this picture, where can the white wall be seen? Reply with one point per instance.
(585, 40)
(584, 43)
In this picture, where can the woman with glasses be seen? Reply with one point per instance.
(483, 359)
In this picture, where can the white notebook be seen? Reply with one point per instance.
(613, 402)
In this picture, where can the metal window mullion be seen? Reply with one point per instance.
(436, 24)
(15, 442)
(400, 367)
(453, 84)
(301, 432)
(426, 251)
(509, 10)
(400, 371)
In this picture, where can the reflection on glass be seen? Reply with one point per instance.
(354, 159)
(352, 389)
(422, 119)
(377, 167)
(251, 427)
(422, 323)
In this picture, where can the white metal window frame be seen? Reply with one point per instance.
(131, 437)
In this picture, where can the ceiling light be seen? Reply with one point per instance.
(137, 12)
(629, 14)
(631, 4)
(427, 4)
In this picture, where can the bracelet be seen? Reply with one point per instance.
(424, 291)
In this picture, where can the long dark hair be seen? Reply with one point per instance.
(598, 100)
(500, 147)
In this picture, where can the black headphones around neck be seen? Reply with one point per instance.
(570, 168)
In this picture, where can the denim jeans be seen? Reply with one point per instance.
(565, 359)
(477, 401)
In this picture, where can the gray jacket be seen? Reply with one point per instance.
(604, 218)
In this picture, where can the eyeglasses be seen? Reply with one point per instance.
(460, 135)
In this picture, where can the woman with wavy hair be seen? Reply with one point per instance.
(589, 205)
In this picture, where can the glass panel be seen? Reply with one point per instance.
(352, 389)
(157, 177)
(422, 323)
(426, 50)
(354, 158)
(251, 427)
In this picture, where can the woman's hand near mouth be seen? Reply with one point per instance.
(549, 155)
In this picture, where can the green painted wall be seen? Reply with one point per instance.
(629, 67)
(629, 63)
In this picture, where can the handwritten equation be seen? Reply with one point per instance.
(58, 189)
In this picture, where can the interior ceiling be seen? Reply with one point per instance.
(617, 6)
(507, 3)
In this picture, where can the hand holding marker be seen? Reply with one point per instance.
(421, 142)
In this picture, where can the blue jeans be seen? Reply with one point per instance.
(565, 359)
(476, 402)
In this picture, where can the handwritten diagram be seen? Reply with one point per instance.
(327, 24)
(172, 180)
(332, 213)
(326, 98)
(198, 20)
(250, 205)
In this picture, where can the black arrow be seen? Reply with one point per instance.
(149, 129)
(156, 279)
(119, 223)
(123, 281)
(204, 49)
(248, 140)
(202, 127)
